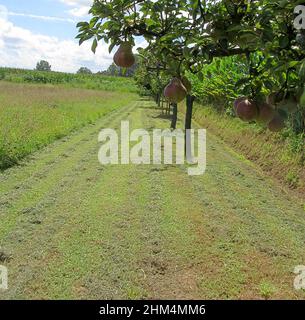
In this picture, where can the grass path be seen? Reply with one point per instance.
(71, 228)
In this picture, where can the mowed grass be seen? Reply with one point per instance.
(282, 155)
(71, 228)
(33, 116)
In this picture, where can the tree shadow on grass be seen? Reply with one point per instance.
(163, 116)
(160, 168)
(150, 107)
(145, 98)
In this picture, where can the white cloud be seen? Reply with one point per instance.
(46, 18)
(78, 3)
(3, 12)
(22, 48)
(79, 12)
(80, 7)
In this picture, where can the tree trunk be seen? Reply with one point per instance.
(188, 122)
(161, 104)
(167, 108)
(159, 99)
(174, 118)
(189, 111)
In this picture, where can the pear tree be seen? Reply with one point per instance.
(191, 34)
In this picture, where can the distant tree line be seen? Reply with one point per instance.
(43, 65)
(112, 70)
(84, 70)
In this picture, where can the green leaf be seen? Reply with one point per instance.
(150, 22)
(302, 71)
(93, 22)
(85, 38)
(111, 47)
(292, 64)
(82, 24)
(242, 82)
(94, 45)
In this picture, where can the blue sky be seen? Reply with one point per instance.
(31, 30)
(51, 8)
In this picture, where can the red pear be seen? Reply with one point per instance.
(237, 101)
(124, 57)
(266, 113)
(175, 91)
(246, 110)
(277, 123)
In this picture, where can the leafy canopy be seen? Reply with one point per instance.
(43, 66)
(186, 35)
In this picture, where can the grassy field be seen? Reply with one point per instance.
(32, 116)
(281, 155)
(72, 228)
(95, 82)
